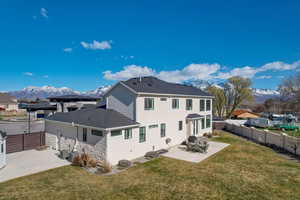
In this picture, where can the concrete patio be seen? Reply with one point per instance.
(30, 162)
(179, 152)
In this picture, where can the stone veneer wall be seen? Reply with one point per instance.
(97, 151)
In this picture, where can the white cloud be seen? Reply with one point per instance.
(264, 77)
(192, 71)
(247, 72)
(44, 12)
(279, 66)
(95, 45)
(199, 71)
(68, 50)
(129, 72)
(28, 74)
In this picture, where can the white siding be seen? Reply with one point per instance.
(118, 148)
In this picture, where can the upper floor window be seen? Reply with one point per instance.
(149, 103)
(208, 121)
(180, 125)
(175, 103)
(208, 105)
(84, 135)
(163, 99)
(142, 134)
(97, 133)
(2, 148)
(202, 105)
(116, 133)
(162, 130)
(128, 134)
(189, 104)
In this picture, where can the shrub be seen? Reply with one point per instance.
(77, 161)
(105, 167)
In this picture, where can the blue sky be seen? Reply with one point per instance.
(86, 44)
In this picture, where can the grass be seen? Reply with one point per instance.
(244, 170)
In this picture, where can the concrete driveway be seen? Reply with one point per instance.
(179, 152)
(30, 162)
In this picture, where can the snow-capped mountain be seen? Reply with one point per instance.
(97, 92)
(260, 95)
(33, 92)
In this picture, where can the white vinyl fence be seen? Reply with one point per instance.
(288, 143)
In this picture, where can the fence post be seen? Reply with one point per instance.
(283, 141)
(265, 137)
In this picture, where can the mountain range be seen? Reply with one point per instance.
(33, 92)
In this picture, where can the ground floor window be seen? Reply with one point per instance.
(2, 148)
(180, 125)
(208, 121)
(97, 133)
(84, 135)
(196, 127)
(142, 134)
(116, 133)
(202, 123)
(128, 134)
(162, 130)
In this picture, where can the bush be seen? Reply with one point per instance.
(84, 160)
(105, 167)
(77, 161)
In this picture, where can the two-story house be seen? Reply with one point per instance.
(142, 114)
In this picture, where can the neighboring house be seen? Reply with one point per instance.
(244, 114)
(8, 102)
(67, 103)
(2, 149)
(141, 115)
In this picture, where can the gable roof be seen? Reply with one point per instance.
(6, 98)
(154, 85)
(94, 117)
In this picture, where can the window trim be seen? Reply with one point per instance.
(200, 108)
(142, 139)
(94, 130)
(206, 117)
(176, 103)
(128, 135)
(187, 106)
(163, 130)
(145, 103)
(180, 125)
(208, 100)
(115, 135)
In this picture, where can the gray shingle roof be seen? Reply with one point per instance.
(152, 84)
(68, 98)
(194, 115)
(99, 118)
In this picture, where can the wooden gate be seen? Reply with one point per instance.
(21, 142)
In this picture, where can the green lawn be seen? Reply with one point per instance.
(243, 170)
